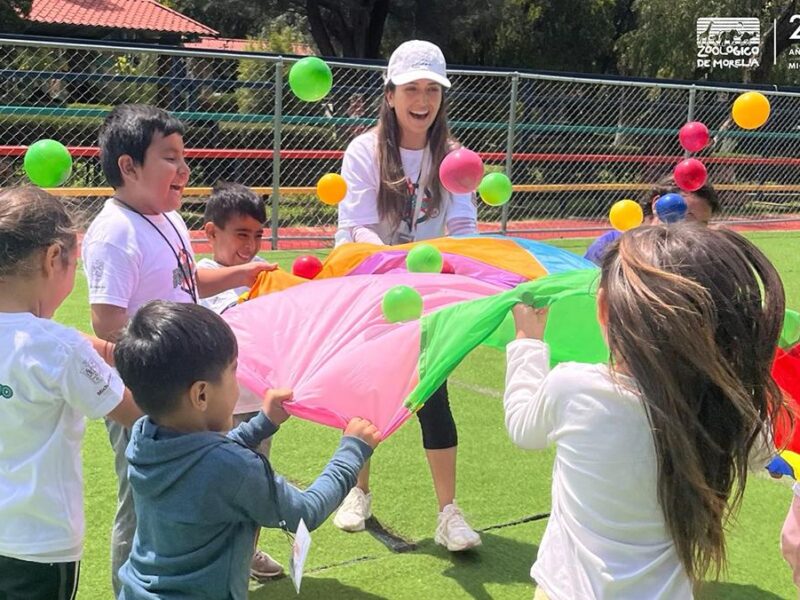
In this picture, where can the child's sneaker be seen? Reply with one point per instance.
(354, 511)
(264, 567)
(453, 532)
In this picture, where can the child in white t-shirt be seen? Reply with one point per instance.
(394, 196)
(138, 249)
(653, 449)
(51, 379)
(234, 225)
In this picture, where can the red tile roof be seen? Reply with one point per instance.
(139, 15)
(238, 45)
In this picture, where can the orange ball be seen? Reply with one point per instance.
(751, 110)
(331, 189)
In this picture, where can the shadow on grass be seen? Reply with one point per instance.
(313, 587)
(718, 590)
(498, 560)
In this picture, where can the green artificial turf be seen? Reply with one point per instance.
(498, 485)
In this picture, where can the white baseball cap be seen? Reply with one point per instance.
(417, 59)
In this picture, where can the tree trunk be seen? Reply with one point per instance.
(377, 21)
(318, 30)
(355, 26)
(345, 28)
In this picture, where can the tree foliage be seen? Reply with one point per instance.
(232, 18)
(11, 13)
(646, 38)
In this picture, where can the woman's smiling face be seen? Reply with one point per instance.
(416, 105)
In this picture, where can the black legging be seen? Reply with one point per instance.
(437, 423)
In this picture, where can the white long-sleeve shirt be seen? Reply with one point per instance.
(606, 537)
(359, 220)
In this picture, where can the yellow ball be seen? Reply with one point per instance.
(750, 110)
(626, 214)
(331, 188)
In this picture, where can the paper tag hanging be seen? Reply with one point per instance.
(297, 561)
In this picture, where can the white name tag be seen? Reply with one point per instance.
(302, 542)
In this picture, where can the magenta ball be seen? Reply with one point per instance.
(690, 175)
(461, 171)
(693, 136)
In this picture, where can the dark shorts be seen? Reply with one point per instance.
(25, 580)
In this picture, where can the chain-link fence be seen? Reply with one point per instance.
(572, 146)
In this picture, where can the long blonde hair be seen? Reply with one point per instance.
(393, 193)
(694, 316)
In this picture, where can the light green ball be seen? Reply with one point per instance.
(424, 258)
(401, 303)
(495, 189)
(310, 79)
(47, 163)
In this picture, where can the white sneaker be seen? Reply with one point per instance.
(453, 532)
(354, 511)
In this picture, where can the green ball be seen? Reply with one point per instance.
(310, 79)
(424, 259)
(401, 303)
(495, 189)
(47, 163)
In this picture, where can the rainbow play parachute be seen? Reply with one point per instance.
(503, 261)
(328, 340)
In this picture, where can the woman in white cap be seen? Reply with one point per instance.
(394, 196)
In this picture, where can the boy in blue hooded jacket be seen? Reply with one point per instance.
(200, 494)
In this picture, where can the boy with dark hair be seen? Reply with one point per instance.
(201, 494)
(138, 249)
(234, 225)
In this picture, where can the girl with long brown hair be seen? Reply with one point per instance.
(652, 449)
(394, 196)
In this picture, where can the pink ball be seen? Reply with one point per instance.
(690, 175)
(693, 136)
(461, 171)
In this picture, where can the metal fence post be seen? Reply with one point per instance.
(512, 119)
(276, 153)
(690, 112)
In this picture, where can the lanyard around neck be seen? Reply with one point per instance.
(189, 277)
(413, 205)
